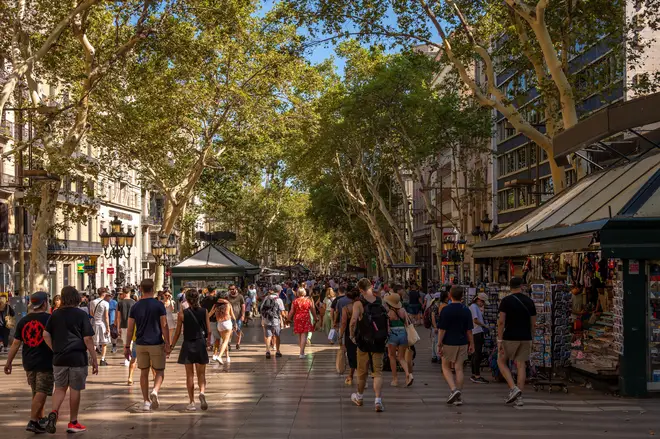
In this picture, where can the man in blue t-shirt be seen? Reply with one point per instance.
(152, 342)
(455, 342)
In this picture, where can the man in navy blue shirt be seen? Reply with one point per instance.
(152, 341)
(455, 342)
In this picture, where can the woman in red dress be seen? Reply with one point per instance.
(301, 317)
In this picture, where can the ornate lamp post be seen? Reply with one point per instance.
(165, 253)
(119, 243)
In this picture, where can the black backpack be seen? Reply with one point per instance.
(371, 332)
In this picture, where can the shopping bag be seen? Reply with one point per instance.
(340, 360)
(332, 335)
(411, 333)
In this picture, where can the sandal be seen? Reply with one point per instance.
(409, 380)
(348, 381)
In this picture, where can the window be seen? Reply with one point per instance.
(521, 157)
(571, 177)
(547, 188)
(510, 199)
(65, 274)
(510, 163)
(500, 166)
(522, 195)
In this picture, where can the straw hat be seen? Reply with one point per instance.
(393, 300)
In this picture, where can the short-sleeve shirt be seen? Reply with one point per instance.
(414, 297)
(477, 314)
(124, 308)
(519, 310)
(112, 311)
(68, 328)
(207, 303)
(37, 356)
(341, 303)
(147, 314)
(237, 303)
(98, 307)
(456, 320)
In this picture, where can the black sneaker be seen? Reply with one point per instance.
(278, 354)
(51, 424)
(268, 354)
(103, 363)
(35, 427)
(453, 396)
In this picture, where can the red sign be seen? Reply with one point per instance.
(111, 270)
(168, 273)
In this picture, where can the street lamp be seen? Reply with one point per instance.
(484, 231)
(119, 243)
(164, 250)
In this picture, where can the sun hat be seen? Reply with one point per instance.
(484, 297)
(393, 300)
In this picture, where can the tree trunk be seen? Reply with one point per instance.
(38, 278)
(406, 212)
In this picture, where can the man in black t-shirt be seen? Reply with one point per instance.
(208, 303)
(70, 335)
(514, 337)
(37, 357)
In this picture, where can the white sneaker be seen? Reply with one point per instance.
(219, 360)
(301, 356)
(191, 407)
(146, 407)
(155, 403)
(519, 402)
(215, 358)
(228, 360)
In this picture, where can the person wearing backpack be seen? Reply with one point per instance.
(272, 316)
(369, 329)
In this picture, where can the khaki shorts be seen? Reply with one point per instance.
(363, 363)
(151, 356)
(455, 354)
(517, 350)
(41, 382)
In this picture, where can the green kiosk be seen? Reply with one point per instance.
(212, 265)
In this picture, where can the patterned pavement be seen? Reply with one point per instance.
(294, 398)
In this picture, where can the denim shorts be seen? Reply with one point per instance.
(398, 336)
(414, 308)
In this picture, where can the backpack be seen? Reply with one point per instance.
(269, 310)
(371, 334)
(428, 322)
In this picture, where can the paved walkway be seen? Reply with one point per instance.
(294, 398)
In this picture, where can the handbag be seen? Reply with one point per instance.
(411, 333)
(113, 332)
(10, 321)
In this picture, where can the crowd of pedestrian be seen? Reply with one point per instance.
(373, 323)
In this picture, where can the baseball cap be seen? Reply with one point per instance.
(37, 299)
(278, 288)
(484, 297)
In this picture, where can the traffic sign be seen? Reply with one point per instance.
(111, 270)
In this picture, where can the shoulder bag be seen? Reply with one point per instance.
(411, 332)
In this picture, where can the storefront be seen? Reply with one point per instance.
(594, 250)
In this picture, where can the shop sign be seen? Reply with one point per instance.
(121, 215)
(111, 270)
(80, 266)
(633, 266)
(90, 265)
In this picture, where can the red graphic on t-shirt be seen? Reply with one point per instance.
(33, 333)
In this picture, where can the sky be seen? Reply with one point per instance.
(317, 53)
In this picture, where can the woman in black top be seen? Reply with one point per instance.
(194, 322)
(7, 322)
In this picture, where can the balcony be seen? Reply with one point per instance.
(69, 246)
(9, 241)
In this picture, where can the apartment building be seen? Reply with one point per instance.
(602, 74)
